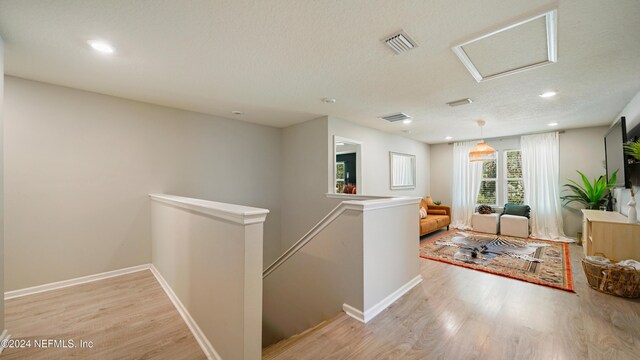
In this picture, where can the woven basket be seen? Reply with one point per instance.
(615, 280)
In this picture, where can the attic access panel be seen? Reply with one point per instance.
(518, 47)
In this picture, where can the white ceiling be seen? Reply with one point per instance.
(275, 60)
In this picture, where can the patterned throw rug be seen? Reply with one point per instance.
(536, 261)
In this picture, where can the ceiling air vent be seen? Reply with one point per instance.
(400, 42)
(396, 117)
(460, 102)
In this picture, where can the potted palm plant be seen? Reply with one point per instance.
(591, 195)
(633, 148)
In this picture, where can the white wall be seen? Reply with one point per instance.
(375, 149)
(79, 166)
(580, 149)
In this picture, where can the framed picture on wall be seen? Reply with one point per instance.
(402, 171)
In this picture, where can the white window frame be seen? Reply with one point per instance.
(506, 179)
(394, 168)
(494, 180)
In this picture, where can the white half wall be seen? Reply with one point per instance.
(210, 255)
(361, 260)
(79, 166)
(390, 265)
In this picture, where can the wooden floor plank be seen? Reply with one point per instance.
(457, 313)
(126, 317)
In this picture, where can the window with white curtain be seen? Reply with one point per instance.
(502, 180)
(513, 182)
(488, 194)
(403, 171)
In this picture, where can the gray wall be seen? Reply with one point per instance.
(441, 173)
(580, 149)
(376, 146)
(79, 166)
(304, 179)
(1, 186)
(632, 114)
(307, 160)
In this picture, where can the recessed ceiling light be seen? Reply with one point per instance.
(101, 46)
(236, 112)
(328, 100)
(406, 121)
(448, 138)
(552, 124)
(548, 94)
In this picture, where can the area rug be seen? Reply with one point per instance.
(532, 260)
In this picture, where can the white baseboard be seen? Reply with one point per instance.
(376, 309)
(71, 282)
(353, 312)
(202, 340)
(4, 336)
(204, 343)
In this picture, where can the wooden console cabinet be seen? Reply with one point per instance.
(610, 234)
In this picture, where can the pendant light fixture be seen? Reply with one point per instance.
(482, 151)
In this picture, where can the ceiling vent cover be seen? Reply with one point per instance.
(396, 117)
(459, 102)
(400, 42)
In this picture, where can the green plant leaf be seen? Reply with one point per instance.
(587, 184)
(633, 149)
(591, 195)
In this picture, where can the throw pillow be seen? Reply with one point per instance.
(423, 213)
(515, 209)
(429, 200)
(484, 209)
(423, 204)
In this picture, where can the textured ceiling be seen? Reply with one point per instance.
(275, 60)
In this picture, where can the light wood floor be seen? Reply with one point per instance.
(457, 313)
(127, 317)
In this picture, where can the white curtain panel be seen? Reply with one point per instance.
(540, 170)
(466, 185)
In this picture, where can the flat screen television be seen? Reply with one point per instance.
(616, 159)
